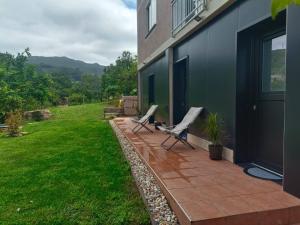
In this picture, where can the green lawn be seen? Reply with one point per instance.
(68, 170)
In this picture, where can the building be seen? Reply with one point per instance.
(232, 58)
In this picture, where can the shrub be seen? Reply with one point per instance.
(31, 104)
(115, 102)
(214, 129)
(9, 100)
(76, 99)
(133, 92)
(13, 121)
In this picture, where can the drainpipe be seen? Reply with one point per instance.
(139, 91)
(169, 53)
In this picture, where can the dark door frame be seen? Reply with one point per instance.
(185, 60)
(246, 65)
(151, 76)
(259, 96)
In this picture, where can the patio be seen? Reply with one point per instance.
(206, 192)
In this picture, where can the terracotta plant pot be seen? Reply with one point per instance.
(215, 152)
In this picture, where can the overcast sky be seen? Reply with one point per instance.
(88, 30)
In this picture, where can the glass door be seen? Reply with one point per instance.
(269, 101)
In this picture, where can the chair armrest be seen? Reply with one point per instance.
(135, 120)
(180, 129)
(169, 127)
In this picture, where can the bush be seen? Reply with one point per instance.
(76, 99)
(9, 101)
(133, 92)
(13, 121)
(115, 103)
(31, 104)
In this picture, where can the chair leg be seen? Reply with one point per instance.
(165, 140)
(175, 142)
(144, 125)
(171, 146)
(186, 143)
(133, 130)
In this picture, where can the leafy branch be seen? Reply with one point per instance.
(279, 5)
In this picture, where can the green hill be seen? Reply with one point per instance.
(278, 61)
(73, 68)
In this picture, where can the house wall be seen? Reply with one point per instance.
(292, 109)
(149, 42)
(213, 76)
(212, 62)
(154, 43)
(159, 69)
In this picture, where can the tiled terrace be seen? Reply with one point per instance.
(206, 192)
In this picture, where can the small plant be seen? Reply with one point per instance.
(214, 130)
(14, 121)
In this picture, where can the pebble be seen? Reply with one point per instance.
(157, 204)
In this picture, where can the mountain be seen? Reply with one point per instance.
(73, 68)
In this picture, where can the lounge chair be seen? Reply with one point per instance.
(179, 132)
(141, 123)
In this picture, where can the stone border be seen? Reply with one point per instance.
(155, 200)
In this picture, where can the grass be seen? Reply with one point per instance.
(68, 170)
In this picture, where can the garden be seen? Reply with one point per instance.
(67, 170)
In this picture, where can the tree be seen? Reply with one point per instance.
(22, 87)
(10, 101)
(120, 78)
(279, 5)
(90, 86)
(62, 85)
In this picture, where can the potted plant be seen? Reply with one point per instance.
(215, 135)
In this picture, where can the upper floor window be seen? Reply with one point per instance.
(184, 11)
(151, 11)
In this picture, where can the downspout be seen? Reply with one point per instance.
(169, 53)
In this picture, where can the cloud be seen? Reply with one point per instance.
(89, 30)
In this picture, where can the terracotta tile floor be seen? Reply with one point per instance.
(206, 192)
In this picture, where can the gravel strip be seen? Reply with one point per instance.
(155, 200)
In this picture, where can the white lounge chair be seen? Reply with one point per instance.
(144, 120)
(179, 131)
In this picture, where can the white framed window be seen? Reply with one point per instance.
(151, 11)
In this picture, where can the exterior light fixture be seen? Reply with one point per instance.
(198, 18)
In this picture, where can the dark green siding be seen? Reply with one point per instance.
(212, 62)
(159, 69)
(216, 83)
(292, 110)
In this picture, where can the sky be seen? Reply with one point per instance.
(95, 31)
